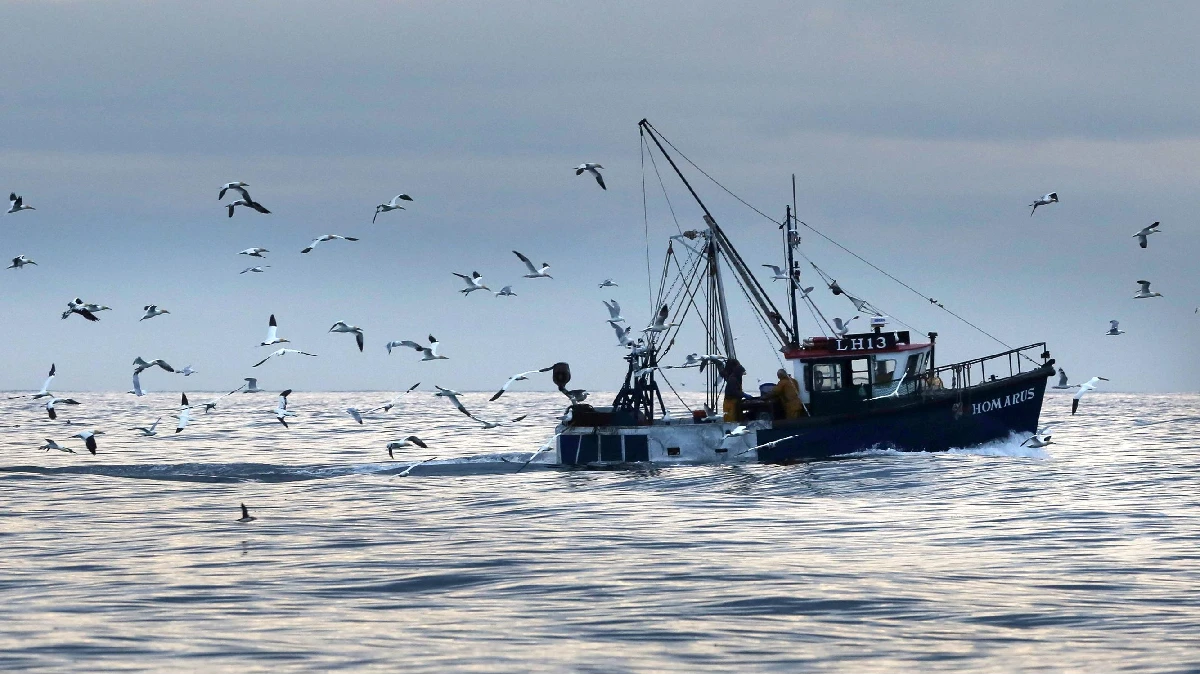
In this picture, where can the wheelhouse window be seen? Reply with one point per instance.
(860, 372)
(885, 371)
(827, 376)
(914, 365)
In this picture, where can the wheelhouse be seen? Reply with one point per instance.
(859, 372)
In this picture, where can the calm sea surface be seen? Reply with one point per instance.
(1083, 557)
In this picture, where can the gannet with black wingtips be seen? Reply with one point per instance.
(184, 414)
(20, 261)
(272, 334)
(89, 438)
(492, 425)
(148, 431)
(1141, 234)
(1145, 292)
(1084, 388)
(534, 272)
(153, 311)
(250, 203)
(140, 364)
(51, 445)
(343, 327)
(54, 400)
(254, 252)
(405, 442)
(1048, 198)
(281, 411)
(392, 205)
(44, 391)
(474, 283)
(452, 396)
(429, 353)
(17, 203)
(519, 377)
(506, 292)
(211, 404)
(281, 352)
(591, 167)
(77, 306)
(235, 185)
(608, 283)
(325, 237)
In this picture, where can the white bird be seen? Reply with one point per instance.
(840, 328)
(591, 168)
(474, 282)
(235, 185)
(1112, 328)
(1145, 232)
(623, 339)
(137, 385)
(211, 404)
(404, 443)
(614, 312)
(739, 430)
(140, 364)
(1062, 381)
(20, 261)
(281, 411)
(187, 371)
(391, 206)
(519, 377)
(16, 203)
(148, 431)
(272, 334)
(607, 283)
(507, 291)
(281, 352)
(660, 321)
(410, 467)
(1084, 388)
(326, 237)
(429, 353)
(88, 436)
(256, 269)
(184, 414)
(250, 203)
(77, 306)
(1049, 198)
(535, 273)
(452, 396)
(777, 271)
(357, 414)
(246, 517)
(93, 307)
(343, 327)
(44, 391)
(51, 445)
(1144, 291)
(255, 252)
(251, 386)
(492, 425)
(153, 311)
(1038, 440)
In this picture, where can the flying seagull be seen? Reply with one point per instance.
(246, 517)
(614, 311)
(258, 268)
(607, 283)
(1144, 291)
(591, 168)
(1112, 328)
(55, 400)
(187, 371)
(251, 386)
(255, 252)
(272, 334)
(326, 237)
(1084, 388)
(281, 352)
(153, 311)
(1049, 198)
(20, 261)
(1062, 381)
(519, 377)
(404, 443)
(89, 438)
(343, 327)
(452, 396)
(535, 273)
(76, 306)
(148, 431)
(507, 291)
(777, 271)
(235, 185)
(184, 414)
(140, 364)
(391, 206)
(51, 445)
(247, 203)
(660, 321)
(17, 203)
(1038, 440)
(840, 328)
(137, 384)
(1145, 232)
(429, 353)
(474, 282)
(623, 339)
(281, 411)
(492, 425)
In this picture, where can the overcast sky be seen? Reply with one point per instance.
(918, 133)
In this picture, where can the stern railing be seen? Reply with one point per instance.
(1004, 364)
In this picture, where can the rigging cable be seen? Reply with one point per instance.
(646, 221)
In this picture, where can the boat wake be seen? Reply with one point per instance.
(1005, 447)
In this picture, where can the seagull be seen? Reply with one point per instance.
(89, 438)
(614, 312)
(255, 252)
(152, 311)
(392, 205)
(591, 167)
(246, 517)
(51, 445)
(1144, 291)
(272, 334)
(140, 364)
(1062, 381)
(187, 371)
(251, 386)
(1145, 232)
(259, 268)
(17, 203)
(660, 321)
(474, 282)
(453, 397)
(1112, 329)
(1084, 388)
(779, 274)
(535, 273)
(430, 353)
(281, 410)
(325, 237)
(281, 352)
(45, 390)
(607, 283)
(576, 395)
(76, 306)
(235, 185)
(739, 430)
(53, 400)
(248, 203)
(137, 385)
(1050, 198)
(404, 443)
(492, 425)
(343, 327)
(519, 377)
(148, 431)
(184, 414)
(20, 261)
(840, 328)
(506, 291)
(622, 334)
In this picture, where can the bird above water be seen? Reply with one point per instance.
(429, 353)
(343, 327)
(148, 431)
(281, 352)
(140, 364)
(51, 445)
(1084, 388)
(246, 517)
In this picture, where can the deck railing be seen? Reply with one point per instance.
(1004, 364)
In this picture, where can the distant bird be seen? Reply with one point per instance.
(255, 252)
(535, 273)
(249, 203)
(614, 312)
(76, 306)
(281, 352)
(607, 283)
(257, 269)
(452, 396)
(140, 364)
(392, 205)
(777, 271)
(187, 371)
(89, 438)
(246, 517)
(492, 425)
(93, 307)
(1112, 328)
(51, 445)
(211, 404)
(137, 385)
(153, 311)
(326, 237)
(357, 414)
(507, 291)
(840, 328)
(1084, 388)
(343, 327)
(1145, 232)
(739, 430)
(660, 321)
(148, 431)
(519, 377)
(44, 391)
(429, 353)
(54, 400)
(474, 282)
(16, 203)
(1049, 198)
(184, 414)
(1144, 291)
(591, 168)
(410, 467)
(235, 185)
(1062, 381)
(623, 339)
(404, 443)
(20, 261)
(272, 334)
(576, 395)
(1038, 440)
(251, 386)
(281, 411)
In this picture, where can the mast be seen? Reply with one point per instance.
(791, 239)
(722, 306)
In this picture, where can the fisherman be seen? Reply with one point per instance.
(787, 390)
(732, 373)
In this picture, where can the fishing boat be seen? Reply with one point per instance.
(880, 388)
